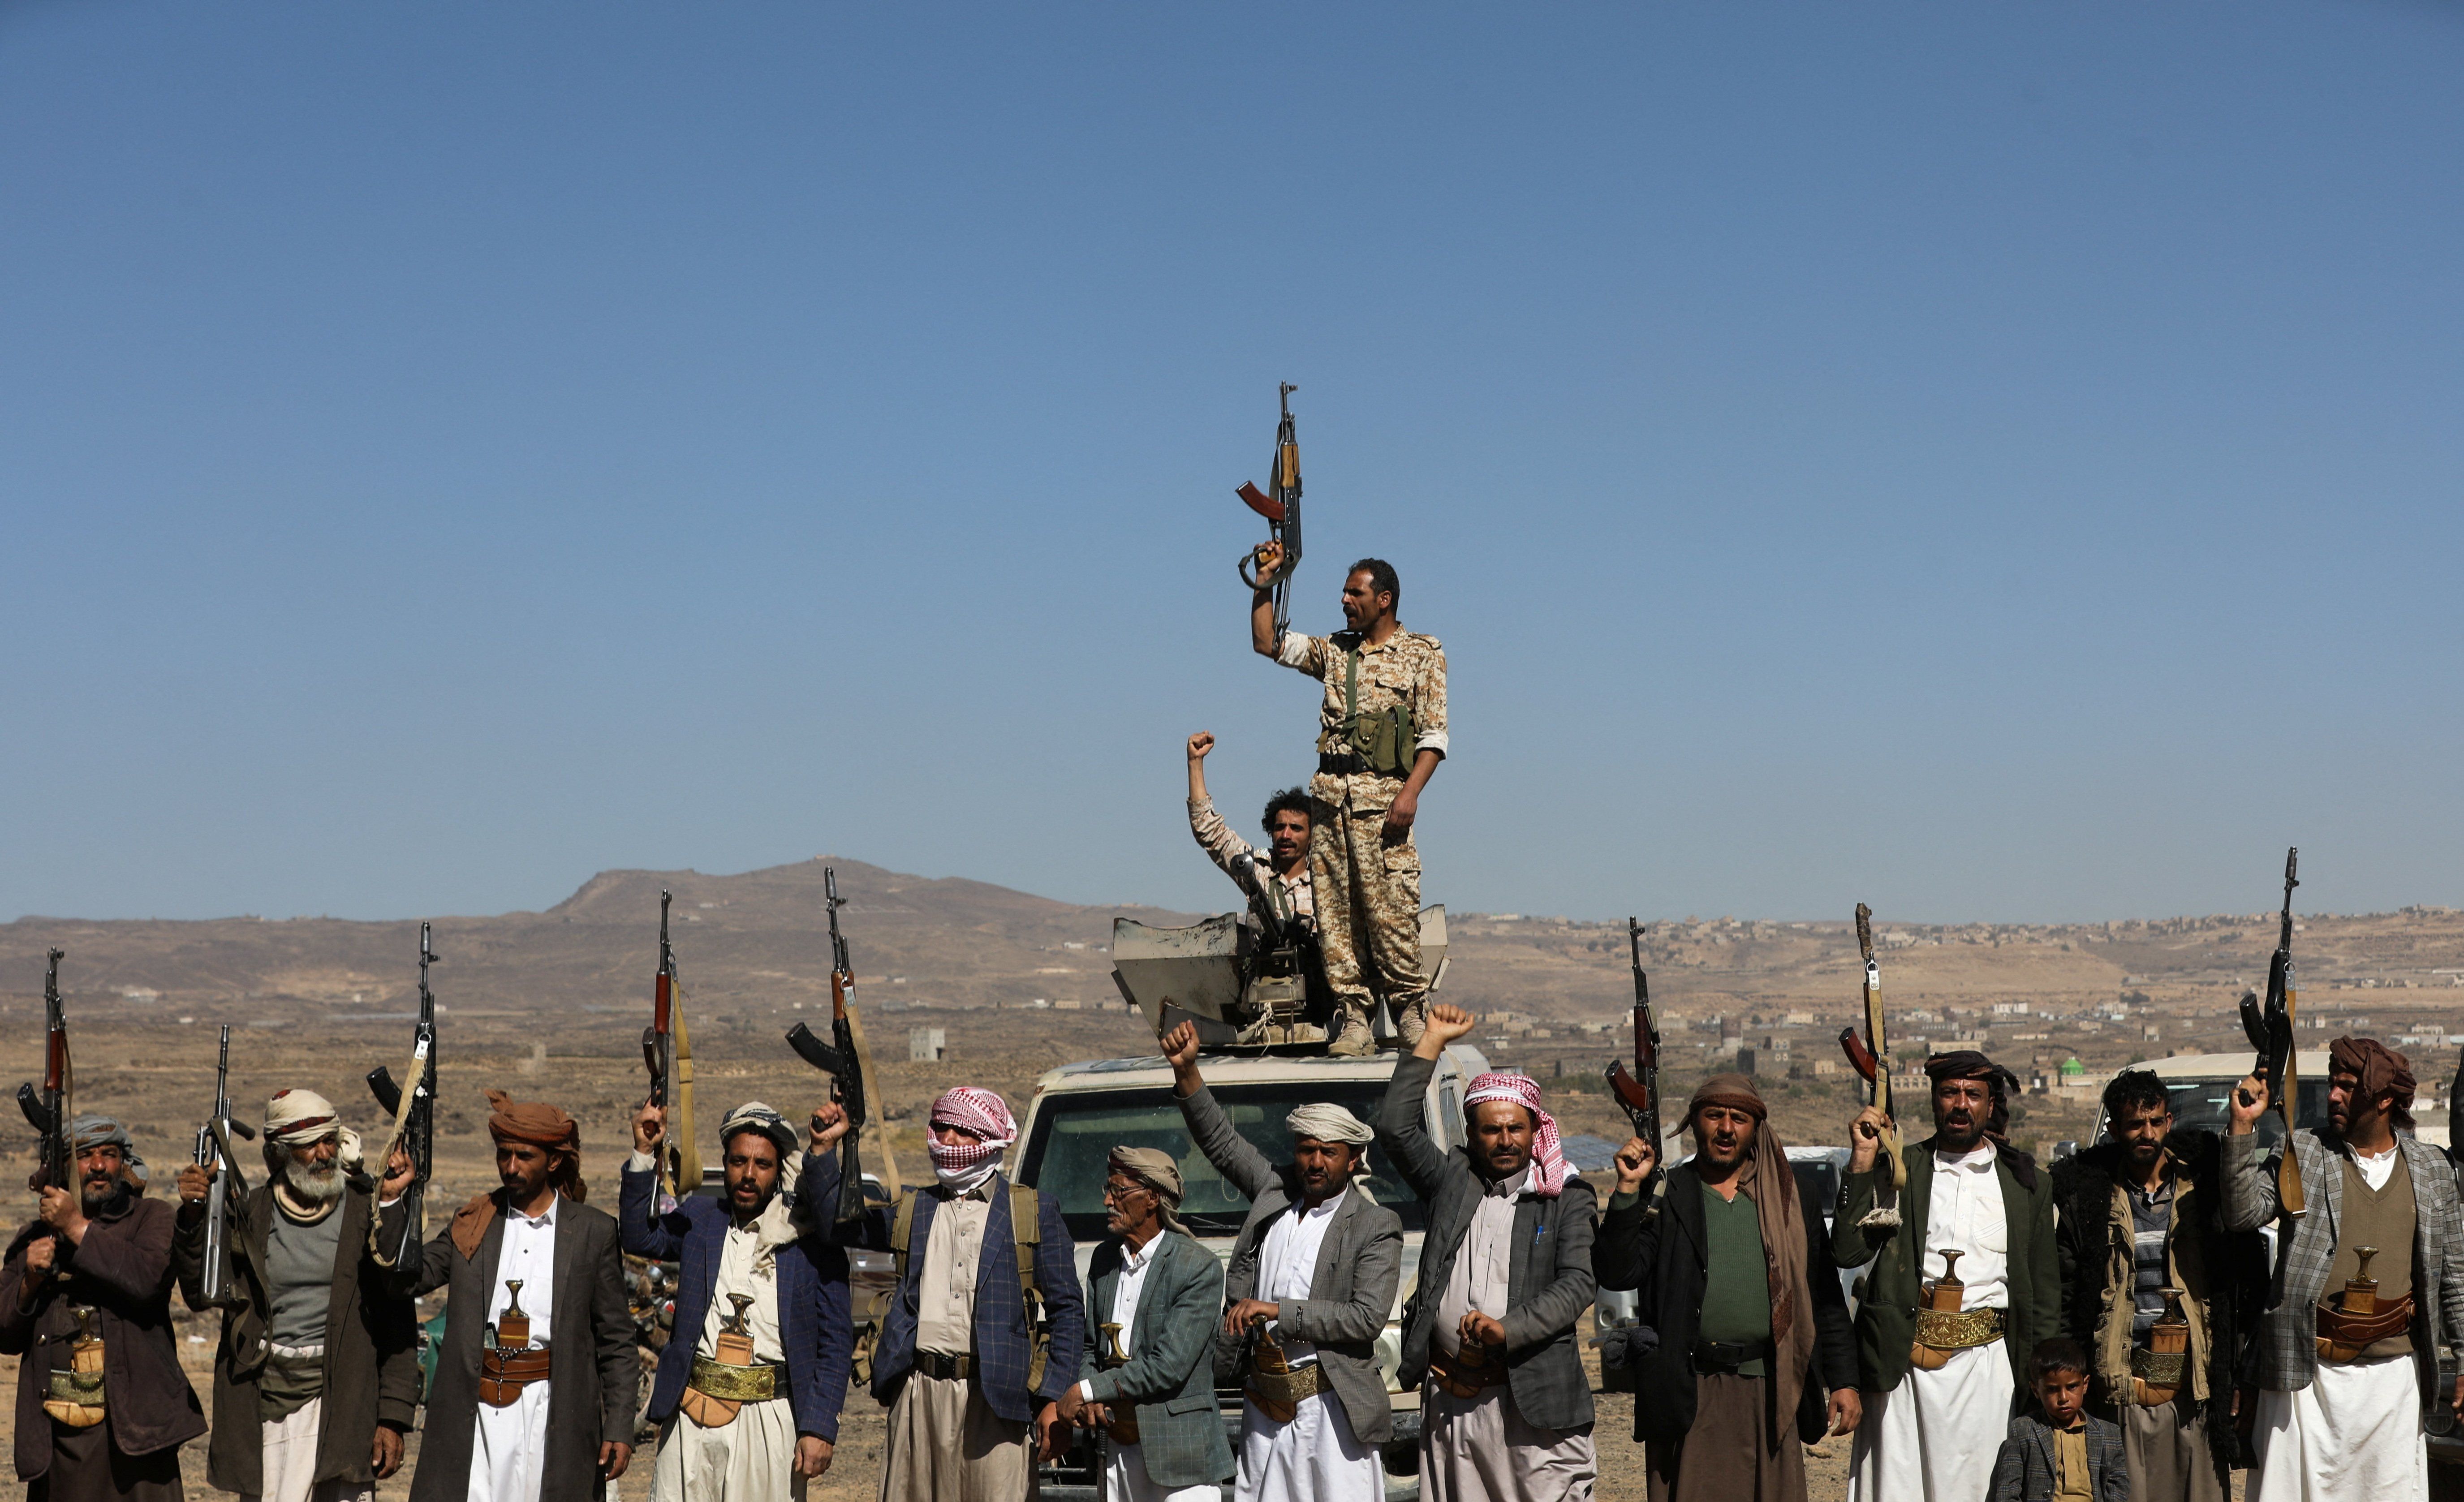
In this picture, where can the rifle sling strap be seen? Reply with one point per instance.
(1026, 1229)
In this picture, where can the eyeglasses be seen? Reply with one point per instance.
(1122, 1191)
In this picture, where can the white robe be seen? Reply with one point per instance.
(1315, 1457)
(509, 1444)
(1935, 1436)
(2353, 1435)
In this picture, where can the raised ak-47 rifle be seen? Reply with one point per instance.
(1638, 1093)
(843, 1059)
(231, 1185)
(667, 1052)
(1281, 505)
(412, 1102)
(2270, 1029)
(51, 1110)
(1870, 1057)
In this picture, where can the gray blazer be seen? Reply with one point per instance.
(2025, 1465)
(1169, 1375)
(594, 1377)
(1549, 1283)
(1351, 1293)
(2288, 1347)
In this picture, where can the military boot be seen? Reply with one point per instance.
(1412, 1019)
(1354, 1041)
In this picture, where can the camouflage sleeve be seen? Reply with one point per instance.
(1303, 652)
(1429, 704)
(1221, 845)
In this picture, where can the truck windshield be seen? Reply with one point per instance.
(2200, 1105)
(1075, 1134)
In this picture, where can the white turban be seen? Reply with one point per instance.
(1328, 1122)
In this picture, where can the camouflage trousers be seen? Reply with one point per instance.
(1368, 894)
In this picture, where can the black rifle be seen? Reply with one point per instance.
(414, 1121)
(1282, 509)
(229, 1185)
(50, 1110)
(1638, 1093)
(839, 1058)
(2280, 996)
(667, 1052)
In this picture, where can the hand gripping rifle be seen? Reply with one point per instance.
(667, 1052)
(1870, 1055)
(843, 1059)
(1638, 1093)
(231, 1185)
(51, 1110)
(412, 1102)
(1282, 509)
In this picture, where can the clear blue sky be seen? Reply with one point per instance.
(1991, 461)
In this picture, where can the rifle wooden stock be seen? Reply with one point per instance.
(1878, 1052)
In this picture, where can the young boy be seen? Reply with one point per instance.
(2066, 1455)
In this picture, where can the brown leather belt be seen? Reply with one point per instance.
(944, 1368)
(1465, 1378)
(2342, 1337)
(505, 1373)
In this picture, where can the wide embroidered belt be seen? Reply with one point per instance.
(505, 1371)
(2160, 1376)
(756, 1383)
(1943, 1331)
(2342, 1335)
(1278, 1394)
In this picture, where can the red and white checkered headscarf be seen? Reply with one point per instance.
(1549, 1164)
(976, 1111)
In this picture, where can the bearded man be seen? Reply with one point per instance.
(973, 1398)
(1940, 1386)
(1310, 1285)
(1146, 1380)
(2141, 1240)
(317, 1376)
(1505, 1274)
(85, 1301)
(2343, 1389)
(753, 1418)
(536, 1379)
(1749, 1331)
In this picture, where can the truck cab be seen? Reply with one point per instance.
(1080, 1112)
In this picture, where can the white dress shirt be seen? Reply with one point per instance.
(1965, 1215)
(509, 1444)
(1125, 1300)
(1287, 1263)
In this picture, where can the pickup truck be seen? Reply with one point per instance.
(1080, 1112)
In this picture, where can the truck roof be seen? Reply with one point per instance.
(1238, 1069)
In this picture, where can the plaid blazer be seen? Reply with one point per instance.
(2288, 1350)
(1169, 1376)
(1005, 1347)
(2024, 1471)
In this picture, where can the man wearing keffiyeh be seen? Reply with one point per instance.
(973, 1401)
(1505, 1274)
(307, 1408)
(1938, 1387)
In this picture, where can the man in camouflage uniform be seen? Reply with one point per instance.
(1381, 732)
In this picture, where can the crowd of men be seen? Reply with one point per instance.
(2115, 1328)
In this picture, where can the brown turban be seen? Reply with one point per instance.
(1736, 1091)
(536, 1125)
(2380, 1069)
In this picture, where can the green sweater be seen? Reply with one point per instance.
(1736, 1289)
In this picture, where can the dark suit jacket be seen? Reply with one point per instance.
(1168, 1376)
(1666, 1256)
(593, 1374)
(2024, 1469)
(124, 1270)
(1886, 1315)
(1550, 1282)
(814, 1326)
(1005, 1347)
(371, 1345)
(1351, 1289)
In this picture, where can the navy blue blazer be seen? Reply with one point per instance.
(1003, 1346)
(814, 1324)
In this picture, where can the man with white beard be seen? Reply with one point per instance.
(316, 1378)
